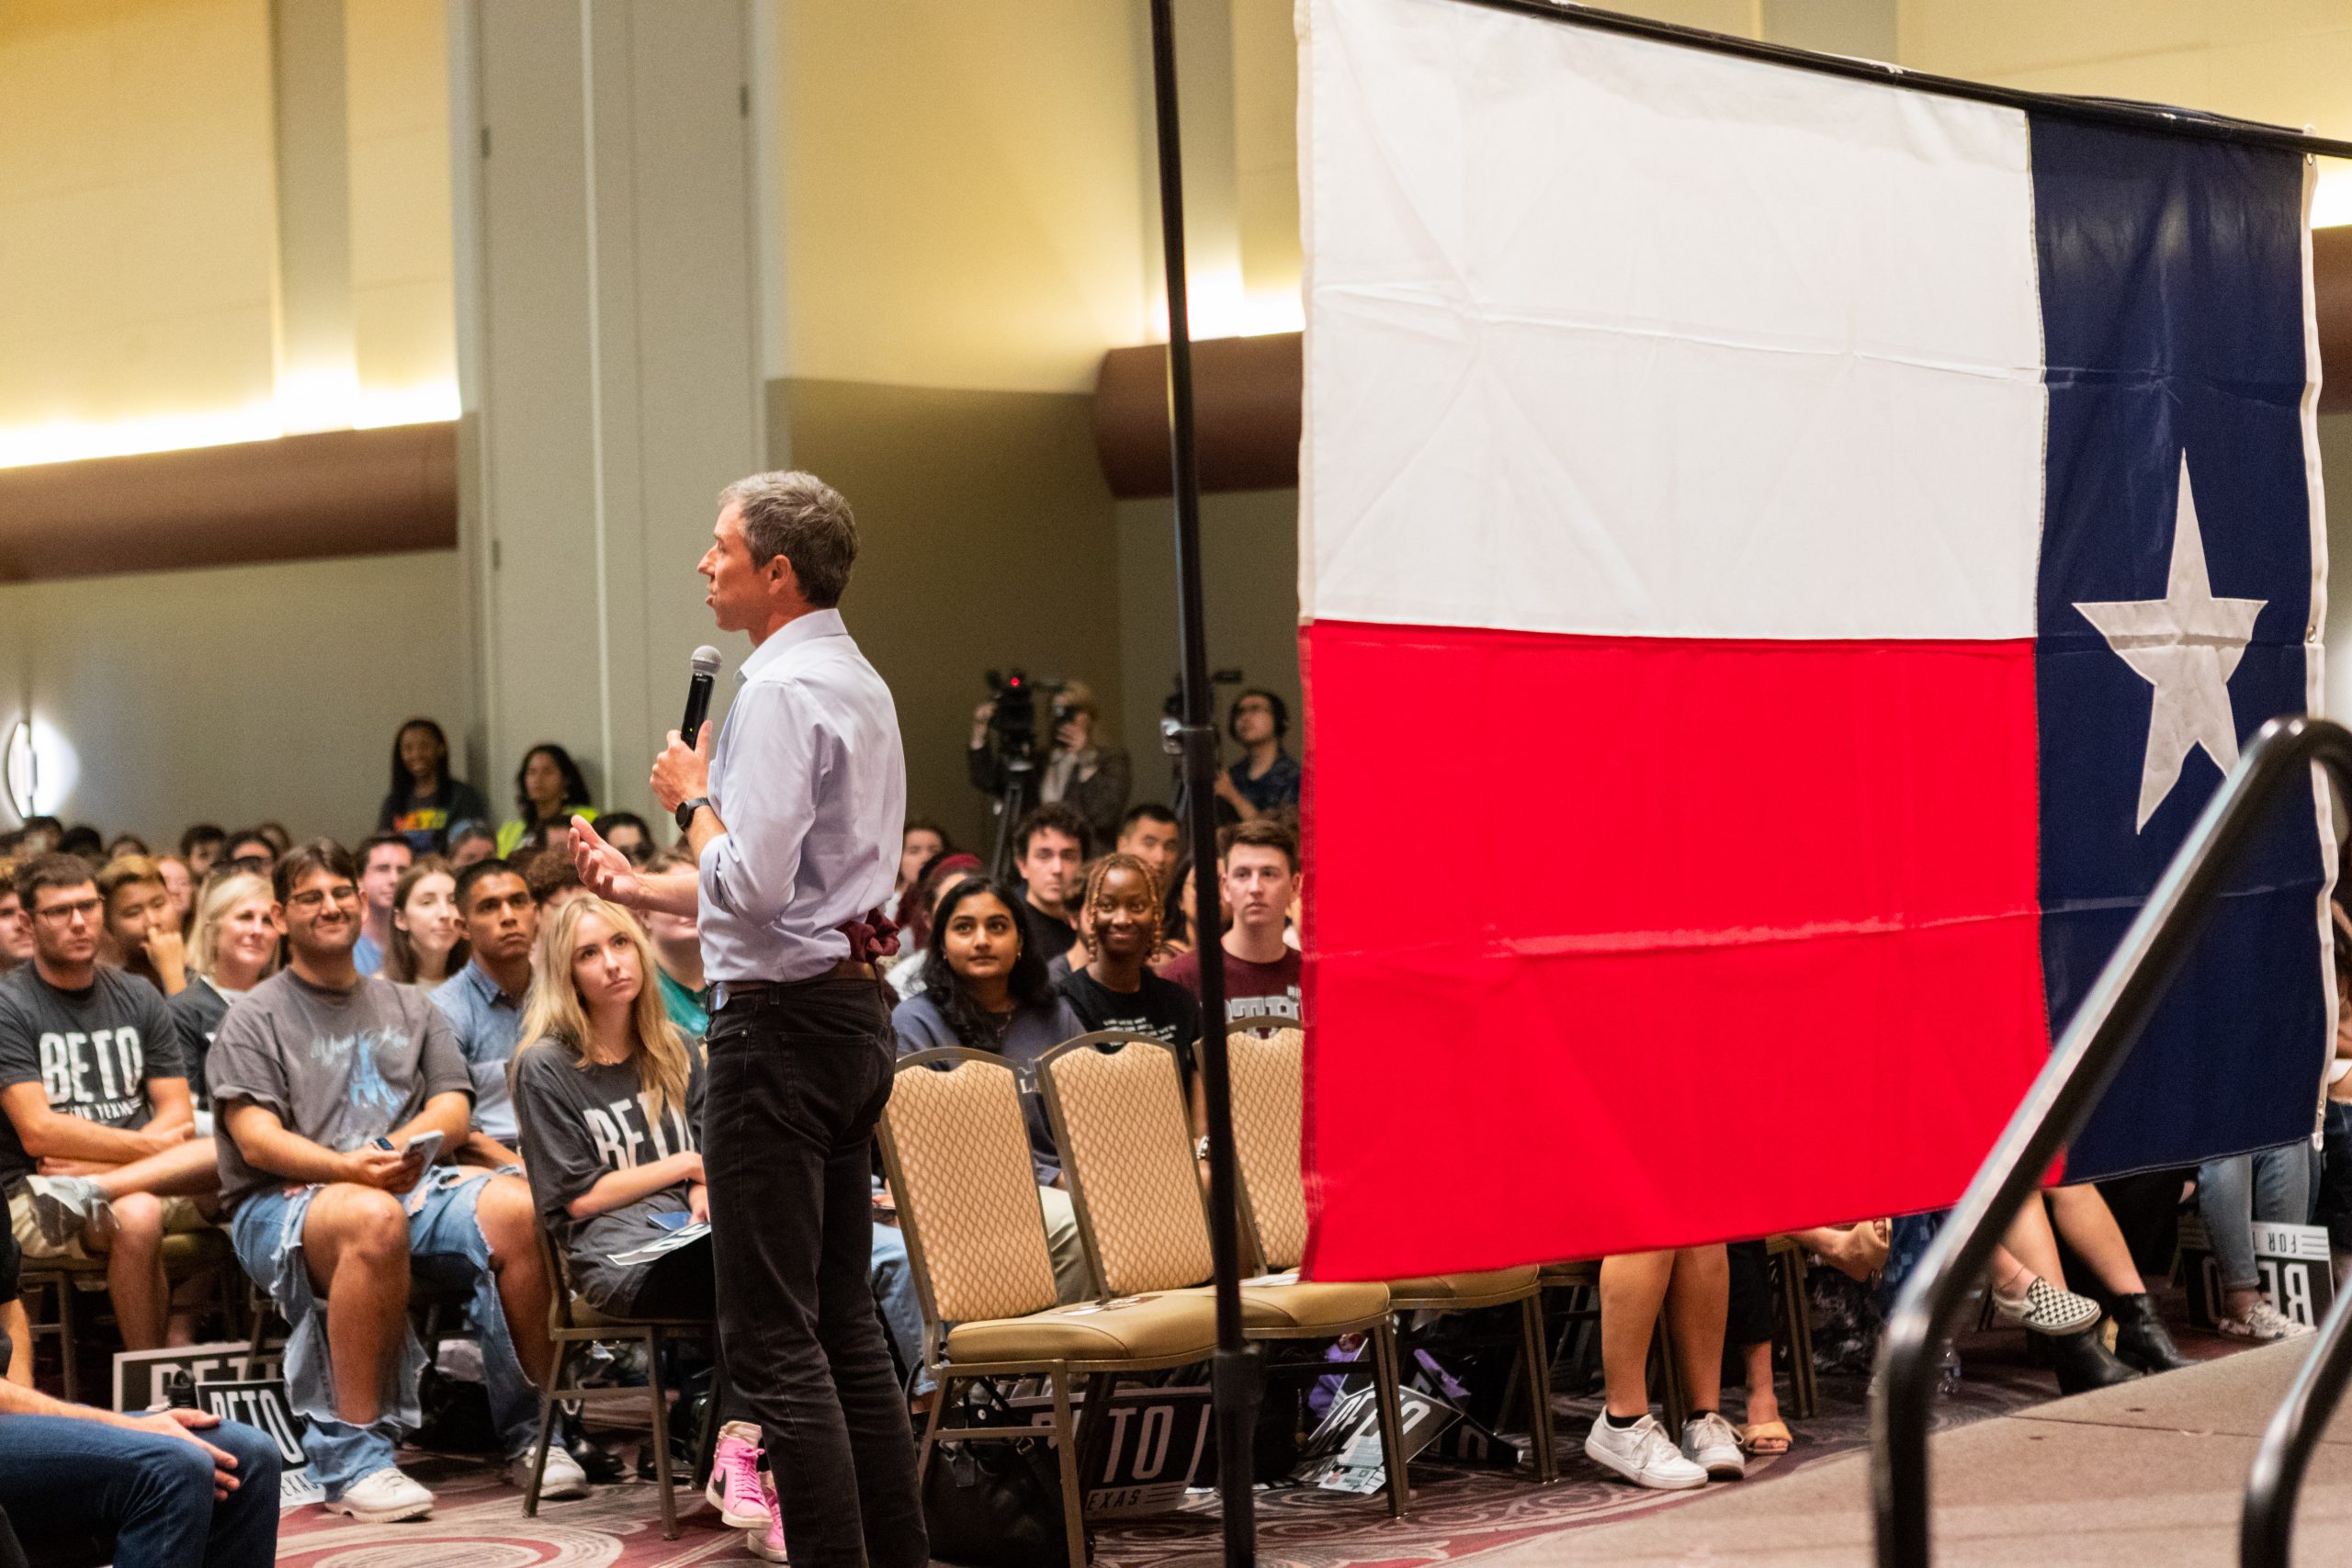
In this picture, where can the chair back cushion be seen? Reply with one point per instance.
(1267, 1071)
(965, 1191)
(1128, 1151)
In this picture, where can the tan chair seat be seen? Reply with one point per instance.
(585, 1316)
(1307, 1305)
(1136, 1327)
(1582, 1271)
(1462, 1289)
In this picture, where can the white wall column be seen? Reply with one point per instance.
(608, 347)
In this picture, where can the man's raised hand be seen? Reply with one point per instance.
(604, 870)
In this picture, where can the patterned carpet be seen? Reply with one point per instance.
(1458, 1512)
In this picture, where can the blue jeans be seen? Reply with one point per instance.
(2268, 1184)
(894, 1293)
(61, 1478)
(445, 1246)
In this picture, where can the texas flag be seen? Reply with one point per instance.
(1785, 559)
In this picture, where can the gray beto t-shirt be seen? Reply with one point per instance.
(337, 1067)
(578, 1122)
(93, 1051)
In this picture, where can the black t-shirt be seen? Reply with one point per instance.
(93, 1051)
(198, 1010)
(578, 1123)
(1162, 1008)
(1053, 937)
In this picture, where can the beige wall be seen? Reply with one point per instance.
(136, 211)
(402, 315)
(238, 693)
(960, 189)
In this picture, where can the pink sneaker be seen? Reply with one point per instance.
(768, 1544)
(735, 1490)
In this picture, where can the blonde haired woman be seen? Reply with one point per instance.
(233, 948)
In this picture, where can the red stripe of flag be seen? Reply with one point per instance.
(1657, 1014)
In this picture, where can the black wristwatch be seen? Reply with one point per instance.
(686, 809)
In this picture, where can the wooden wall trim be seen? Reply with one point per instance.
(1247, 394)
(340, 492)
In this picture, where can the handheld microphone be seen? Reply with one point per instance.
(706, 664)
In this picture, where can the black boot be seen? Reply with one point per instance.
(2084, 1362)
(2140, 1340)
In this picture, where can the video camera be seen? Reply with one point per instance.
(1014, 722)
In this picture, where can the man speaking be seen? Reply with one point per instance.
(794, 817)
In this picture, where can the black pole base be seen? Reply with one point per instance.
(1236, 1383)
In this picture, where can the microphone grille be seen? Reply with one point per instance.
(706, 660)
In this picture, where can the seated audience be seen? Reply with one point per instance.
(1266, 781)
(274, 832)
(200, 846)
(2079, 1214)
(98, 1150)
(1151, 833)
(2331, 1203)
(250, 850)
(1050, 850)
(1119, 927)
(129, 844)
(484, 1001)
(1080, 772)
(1261, 880)
(985, 988)
(428, 942)
(905, 972)
(423, 802)
(677, 957)
(469, 842)
(235, 948)
(624, 831)
(145, 1486)
(1855, 1253)
(181, 886)
(16, 925)
(2030, 1290)
(142, 933)
(548, 792)
(383, 860)
(1693, 1283)
(2269, 1184)
(326, 1079)
(922, 842)
(552, 878)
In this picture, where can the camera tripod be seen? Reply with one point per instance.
(1014, 797)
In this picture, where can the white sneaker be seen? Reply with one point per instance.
(563, 1478)
(1643, 1454)
(382, 1497)
(1713, 1444)
(2263, 1324)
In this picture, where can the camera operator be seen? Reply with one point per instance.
(1081, 772)
(1265, 781)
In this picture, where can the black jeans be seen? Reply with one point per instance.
(798, 1076)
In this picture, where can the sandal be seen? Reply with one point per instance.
(1765, 1437)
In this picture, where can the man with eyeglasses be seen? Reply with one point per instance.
(99, 1151)
(343, 1097)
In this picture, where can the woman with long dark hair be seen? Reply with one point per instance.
(548, 791)
(985, 988)
(423, 802)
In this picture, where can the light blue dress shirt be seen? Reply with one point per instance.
(489, 1026)
(809, 778)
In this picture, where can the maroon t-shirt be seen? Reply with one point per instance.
(1253, 991)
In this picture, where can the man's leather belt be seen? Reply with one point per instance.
(845, 969)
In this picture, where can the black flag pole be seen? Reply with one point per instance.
(1234, 1379)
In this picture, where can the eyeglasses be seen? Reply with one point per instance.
(65, 914)
(314, 897)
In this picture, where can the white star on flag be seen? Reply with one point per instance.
(2186, 645)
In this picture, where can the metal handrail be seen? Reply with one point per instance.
(2085, 1061)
